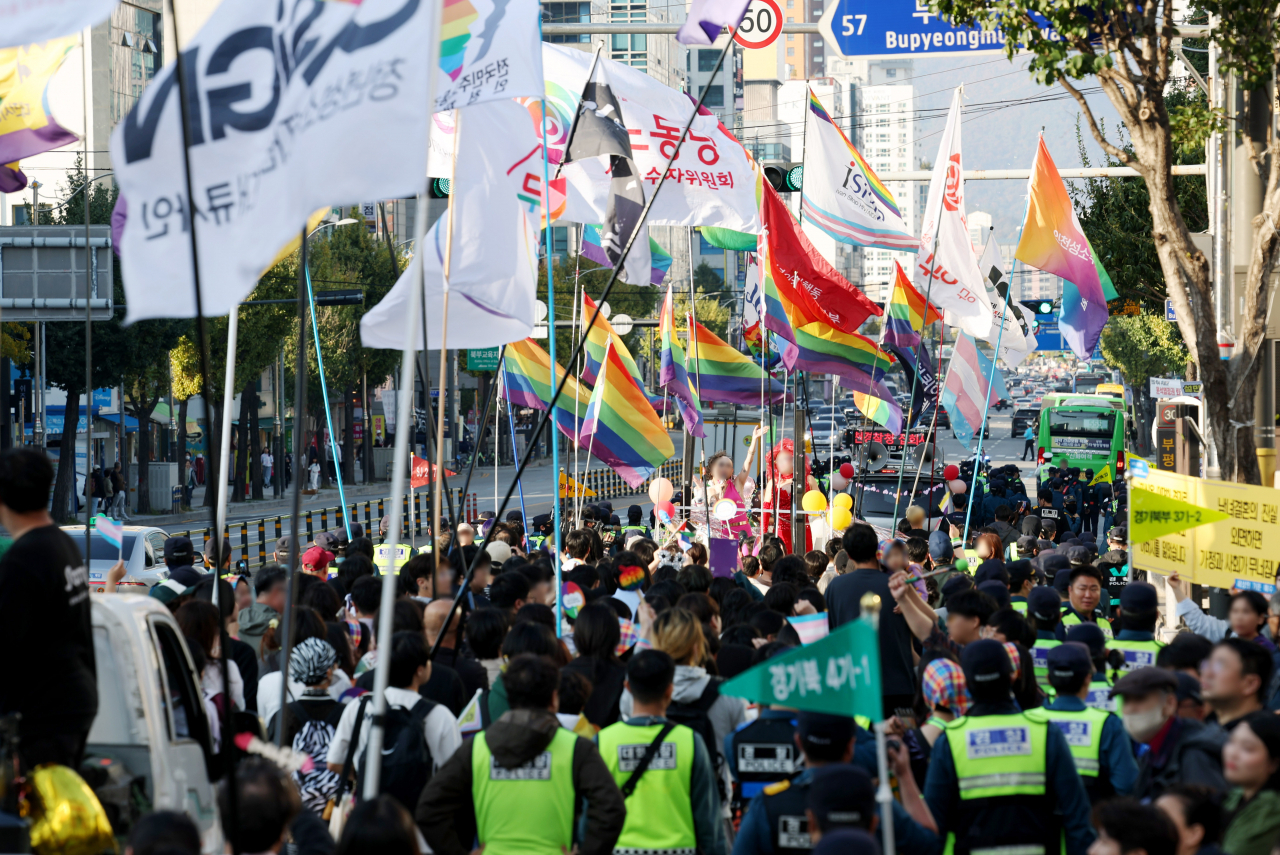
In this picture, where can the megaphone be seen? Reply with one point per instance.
(926, 452)
(876, 454)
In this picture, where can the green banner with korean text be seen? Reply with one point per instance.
(839, 674)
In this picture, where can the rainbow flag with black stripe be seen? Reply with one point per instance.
(599, 336)
(659, 258)
(621, 428)
(528, 384)
(721, 373)
(904, 314)
(672, 376)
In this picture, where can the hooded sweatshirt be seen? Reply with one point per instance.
(254, 621)
(446, 814)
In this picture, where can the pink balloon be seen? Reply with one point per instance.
(838, 481)
(660, 490)
(957, 487)
(951, 473)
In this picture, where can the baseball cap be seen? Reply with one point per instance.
(984, 662)
(1143, 681)
(326, 540)
(1019, 572)
(1069, 660)
(178, 552)
(317, 557)
(182, 582)
(498, 551)
(992, 569)
(818, 728)
(955, 585)
(997, 591)
(1044, 544)
(1139, 597)
(841, 795)
(282, 545)
(1188, 687)
(1118, 534)
(1043, 603)
(1078, 556)
(847, 841)
(940, 547)
(515, 516)
(1090, 635)
(1026, 545)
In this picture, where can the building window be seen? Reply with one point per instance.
(715, 96)
(790, 52)
(135, 52)
(707, 59)
(567, 13)
(629, 49)
(559, 240)
(891, 72)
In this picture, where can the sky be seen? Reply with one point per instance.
(1003, 138)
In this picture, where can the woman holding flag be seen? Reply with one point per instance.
(778, 490)
(723, 484)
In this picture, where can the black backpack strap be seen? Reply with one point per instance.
(643, 766)
(349, 763)
(709, 696)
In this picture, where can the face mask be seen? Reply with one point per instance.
(1144, 725)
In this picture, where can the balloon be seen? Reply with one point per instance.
(957, 487)
(951, 473)
(664, 510)
(962, 564)
(838, 481)
(843, 500)
(839, 518)
(813, 501)
(846, 469)
(660, 490)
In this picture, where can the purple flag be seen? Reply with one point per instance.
(708, 17)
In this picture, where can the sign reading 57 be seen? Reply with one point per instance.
(901, 28)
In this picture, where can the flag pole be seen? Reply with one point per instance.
(575, 329)
(986, 408)
(444, 340)
(224, 441)
(548, 414)
(697, 375)
(511, 424)
(915, 381)
(336, 455)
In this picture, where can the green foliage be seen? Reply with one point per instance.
(1248, 35)
(1116, 215)
(705, 278)
(1143, 346)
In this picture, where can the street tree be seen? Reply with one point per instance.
(1143, 346)
(1128, 50)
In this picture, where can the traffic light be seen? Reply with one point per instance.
(785, 177)
(1039, 307)
(438, 188)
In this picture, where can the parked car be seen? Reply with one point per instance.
(821, 434)
(142, 548)
(151, 738)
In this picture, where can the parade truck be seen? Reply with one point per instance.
(1084, 431)
(150, 747)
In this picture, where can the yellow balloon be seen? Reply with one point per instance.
(843, 500)
(813, 501)
(840, 518)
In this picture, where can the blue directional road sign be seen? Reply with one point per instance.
(1169, 314)
(1048, 336)
(892, 28)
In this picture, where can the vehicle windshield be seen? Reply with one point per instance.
(1081, 423)
(100, 549)
(823, 425)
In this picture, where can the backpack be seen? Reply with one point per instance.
(695, 716)
(319, 785)
(406, 758)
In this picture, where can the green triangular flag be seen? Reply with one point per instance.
(728, 238)
(1155, 515)
(839, 674)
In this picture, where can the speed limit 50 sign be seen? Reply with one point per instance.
(761, 26)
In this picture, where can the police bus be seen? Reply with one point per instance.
(1085, 431)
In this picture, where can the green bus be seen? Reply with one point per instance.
(1085, 431)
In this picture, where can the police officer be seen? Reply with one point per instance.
(1022, 581)
(1043, 605)
(634, 525)
(663, 769)
(1001, 780)
(1139, 610)
(1084, 592)
(1048, 510)
(390, 557)
(541, 531)
(1114, 564)
(776, 821)
(1096, 737)
(1099, 695)
(762, 752)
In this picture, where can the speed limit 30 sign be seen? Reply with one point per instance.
(761, 26)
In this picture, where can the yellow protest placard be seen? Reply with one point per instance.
(1240, 549)
(1103, 477)
(1156, 514)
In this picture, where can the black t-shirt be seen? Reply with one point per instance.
(45, 624)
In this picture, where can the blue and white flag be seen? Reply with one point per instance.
(969, 392)
(111, 530)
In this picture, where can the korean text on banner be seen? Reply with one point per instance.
(713, 182)
(838, 674)
(489, 50)
(1240, 550)
(254, 170)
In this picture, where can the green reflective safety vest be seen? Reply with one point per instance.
(628, 530)
(1040, 658)
(998, 755)
(1019, 606)
(390, 557)
(1070, 618)
(527, 810)
(1083, 732)
(536, 540)
(1099, 697)
(659, 814)
(1137, 654)
(863, 722)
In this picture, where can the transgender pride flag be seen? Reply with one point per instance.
(1053, 241)
(968, 389)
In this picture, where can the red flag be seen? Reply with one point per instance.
(422, 472)
(804, 277)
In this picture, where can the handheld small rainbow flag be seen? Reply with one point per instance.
(621, 427)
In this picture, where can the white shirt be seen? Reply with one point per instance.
(440, 729)
(269, 691)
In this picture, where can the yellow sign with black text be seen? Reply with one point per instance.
(1240, 550)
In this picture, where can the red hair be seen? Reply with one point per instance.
(771, 465)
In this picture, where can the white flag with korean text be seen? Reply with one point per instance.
(277, 102)
(712, 182)
(946, 256)
(1012, 337)
(494, 263)
(489, 50)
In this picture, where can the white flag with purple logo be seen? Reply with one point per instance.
(708, 17)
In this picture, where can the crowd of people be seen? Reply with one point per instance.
(1030, 706)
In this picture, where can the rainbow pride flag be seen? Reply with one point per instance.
(721, 373)
(672, 376)
(528, 373)
(905, 313)
(871, 397)
(621, 427)
(659, 258)
(459, 15)
(1053, 241)
(599, 336)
